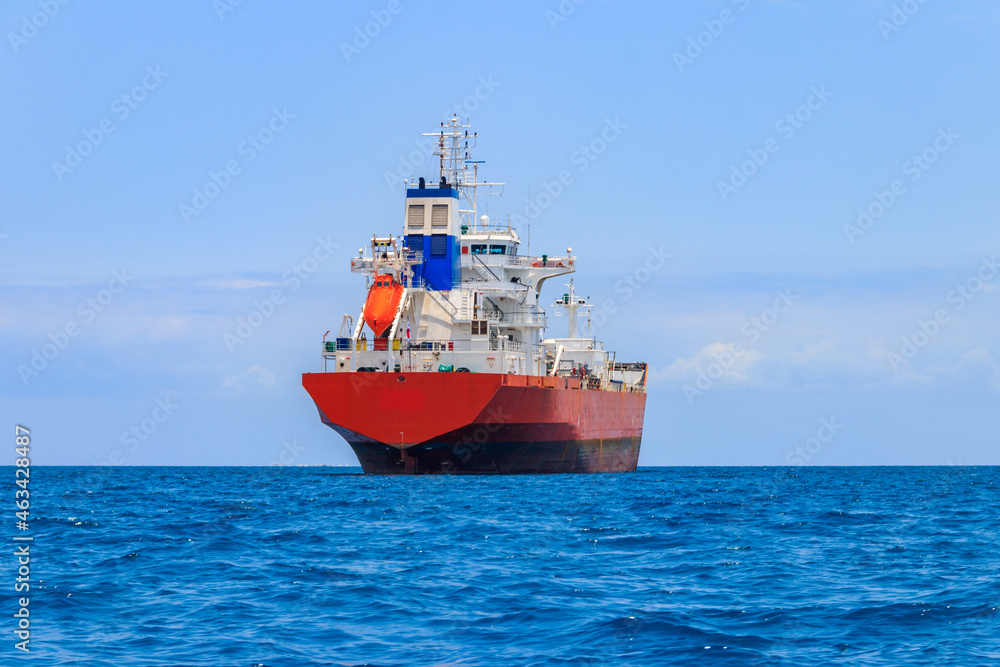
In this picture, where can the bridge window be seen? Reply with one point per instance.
(479, 249)
(498, 249)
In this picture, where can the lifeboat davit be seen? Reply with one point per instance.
(381, 305)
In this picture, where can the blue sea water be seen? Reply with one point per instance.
(666, 566)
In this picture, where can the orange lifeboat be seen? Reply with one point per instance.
(381, 305)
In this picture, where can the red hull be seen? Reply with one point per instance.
(479, 422)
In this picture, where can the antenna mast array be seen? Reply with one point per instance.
(458, 170)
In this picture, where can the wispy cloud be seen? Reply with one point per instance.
(255, 375)
(686, 369)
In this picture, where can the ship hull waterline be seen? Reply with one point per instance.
(479, 423)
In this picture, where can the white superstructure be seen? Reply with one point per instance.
(470, 301)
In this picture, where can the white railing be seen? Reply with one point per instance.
(369, 264)
(524, 319)
(519, 261)
(494, 287)
(498, 345)
(567, 262)
(332, 347)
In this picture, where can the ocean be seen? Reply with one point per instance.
(665, 566)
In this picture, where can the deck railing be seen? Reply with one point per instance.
(520, 261)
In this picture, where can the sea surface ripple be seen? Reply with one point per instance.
(667, 566)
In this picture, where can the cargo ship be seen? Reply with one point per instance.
(446, 368)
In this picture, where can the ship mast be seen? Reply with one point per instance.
(458, 171)
(572, 304)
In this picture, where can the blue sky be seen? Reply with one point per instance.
(742, 138)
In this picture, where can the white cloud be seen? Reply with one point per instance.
(734, 368)
(257, 374)
(977, 363)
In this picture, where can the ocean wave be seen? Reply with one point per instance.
(308, 566)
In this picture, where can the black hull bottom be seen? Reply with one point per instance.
(571, 456)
